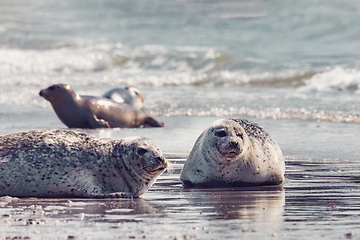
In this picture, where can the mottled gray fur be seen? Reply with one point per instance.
(234, 151)
(64, 163)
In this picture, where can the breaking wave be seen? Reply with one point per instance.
(334, 79)
(147, 65)
(152, 65)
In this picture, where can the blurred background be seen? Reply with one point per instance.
(292, 66)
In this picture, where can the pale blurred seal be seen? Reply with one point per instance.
(129, 95)
(94, 112)
(64, 163)
(234, 151)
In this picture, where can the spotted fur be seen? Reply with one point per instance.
(64, 163)
(234, 151)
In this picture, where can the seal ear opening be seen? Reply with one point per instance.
(153, 122)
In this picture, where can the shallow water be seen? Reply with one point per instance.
(292, 67)
(318, 200)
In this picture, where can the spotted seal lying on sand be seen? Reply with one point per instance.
(94, 112)
(129, 95)
(234, 151)
(64, 163)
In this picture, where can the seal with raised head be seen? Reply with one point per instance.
(64, 163)
(129, 95)
(94, 112)
(237, 152)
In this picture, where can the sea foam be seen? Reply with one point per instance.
(334, 79)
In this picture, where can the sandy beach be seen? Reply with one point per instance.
(291, 67)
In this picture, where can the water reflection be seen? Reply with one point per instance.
(114, 210)
(318, 194)
(242, 203)
(258, 209)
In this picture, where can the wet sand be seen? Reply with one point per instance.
(319, 200)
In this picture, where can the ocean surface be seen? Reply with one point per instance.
(291, 66)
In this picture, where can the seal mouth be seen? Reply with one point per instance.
(160, 169)
(233, 153)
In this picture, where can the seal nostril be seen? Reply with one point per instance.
(159, 159)
(234, 144)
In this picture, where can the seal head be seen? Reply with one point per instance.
(142, 160)
(227, 139)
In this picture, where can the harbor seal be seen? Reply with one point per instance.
(237, 152)
(129, 95)
(64, 163)
(94, 112)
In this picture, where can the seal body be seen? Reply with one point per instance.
(234, 151)
(129, 95)
(64, 163)
(94, 112)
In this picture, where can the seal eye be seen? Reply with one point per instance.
(221, 133)
(141, 151)
(239, 135)
(53, 88)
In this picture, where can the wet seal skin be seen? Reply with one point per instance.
(129, 95)
(94, 112)
(234, 152)
(65, 163)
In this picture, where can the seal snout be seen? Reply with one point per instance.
(44, 93)
(41, 93)
(163, 163)
(160, 165)
(233, 148)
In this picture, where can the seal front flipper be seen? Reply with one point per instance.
(153, 122)
(98, 123)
